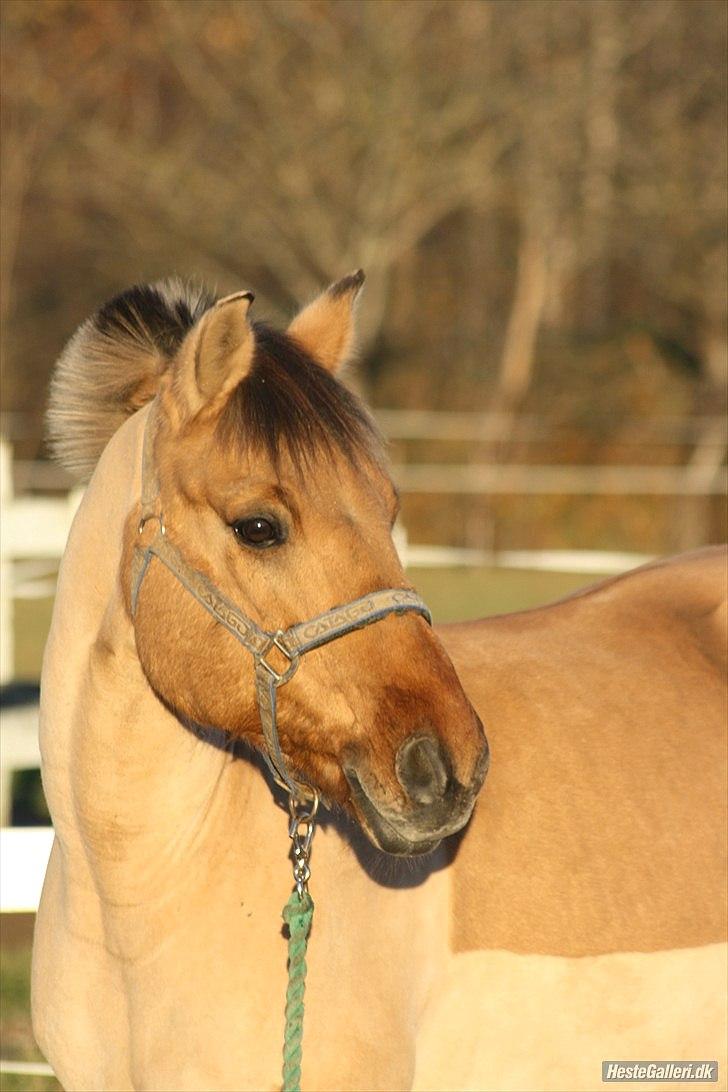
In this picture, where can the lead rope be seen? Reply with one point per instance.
(298, 915)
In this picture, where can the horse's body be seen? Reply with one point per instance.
(579, 917)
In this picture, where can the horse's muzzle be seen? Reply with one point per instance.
(436, 803)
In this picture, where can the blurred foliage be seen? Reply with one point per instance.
(29, 804)
(536, 189)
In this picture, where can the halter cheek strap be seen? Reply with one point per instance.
(291, 643)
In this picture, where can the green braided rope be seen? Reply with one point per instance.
(297, 914)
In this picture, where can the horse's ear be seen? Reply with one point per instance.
(325, 328)
(217, 355)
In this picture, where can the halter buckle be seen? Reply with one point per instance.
(276, 641)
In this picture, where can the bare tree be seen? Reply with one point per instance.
(511, 173)
(306, 138)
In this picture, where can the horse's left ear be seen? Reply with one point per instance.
(325, 328)
(216, 355)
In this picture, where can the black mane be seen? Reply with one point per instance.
(158, 314)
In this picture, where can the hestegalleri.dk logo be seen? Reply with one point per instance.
(659, 1071)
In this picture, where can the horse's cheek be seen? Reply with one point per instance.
(187, 661)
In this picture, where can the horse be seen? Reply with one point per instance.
(508, 931)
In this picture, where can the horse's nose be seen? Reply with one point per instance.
(421, 770)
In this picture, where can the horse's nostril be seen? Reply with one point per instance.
(422, 770)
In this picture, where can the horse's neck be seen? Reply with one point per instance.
(131, 790)
(172, 867)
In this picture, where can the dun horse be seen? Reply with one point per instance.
(239, 494)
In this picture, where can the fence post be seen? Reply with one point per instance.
(7, 649)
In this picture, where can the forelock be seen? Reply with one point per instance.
(289, 403)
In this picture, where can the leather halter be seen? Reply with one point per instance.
(291, 643)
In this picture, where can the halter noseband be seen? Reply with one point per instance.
(291, 643)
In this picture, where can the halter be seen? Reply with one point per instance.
(291, 643)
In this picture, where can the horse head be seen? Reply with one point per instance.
(270, 482)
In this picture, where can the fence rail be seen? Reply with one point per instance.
(471, 426)
(27, 1069)
(524, 479)
(32, 529)
(34, 525)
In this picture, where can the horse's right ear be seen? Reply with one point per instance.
(215, 356)
(325, 328)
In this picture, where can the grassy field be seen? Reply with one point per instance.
(455, 595)
(16, 1035)
(452, 594)
(32, 622)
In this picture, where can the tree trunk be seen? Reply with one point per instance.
(600, 161)
(515, 374)
(516, 366)
(695, 525)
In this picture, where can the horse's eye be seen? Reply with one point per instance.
(258, 531)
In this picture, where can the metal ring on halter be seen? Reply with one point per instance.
(277, 641)
(302, 811)
(153, 515)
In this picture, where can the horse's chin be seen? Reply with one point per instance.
(393, 843)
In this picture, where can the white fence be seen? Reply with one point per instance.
(24, 853)
(27, 1069)
(34, 528)
(19, 748)
(524, 480)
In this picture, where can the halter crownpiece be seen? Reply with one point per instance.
(291, 643)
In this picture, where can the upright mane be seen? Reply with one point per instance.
(114, 362)
(112, 366)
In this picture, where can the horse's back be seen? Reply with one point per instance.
(588, 892)
(601, 827)
(686, 597)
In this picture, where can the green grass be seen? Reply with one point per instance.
(16, 1082)
(32, 622)
(454, 595)
(16, 1035)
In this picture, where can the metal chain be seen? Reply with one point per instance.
(301, 830)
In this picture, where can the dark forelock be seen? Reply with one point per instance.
(289, 402)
